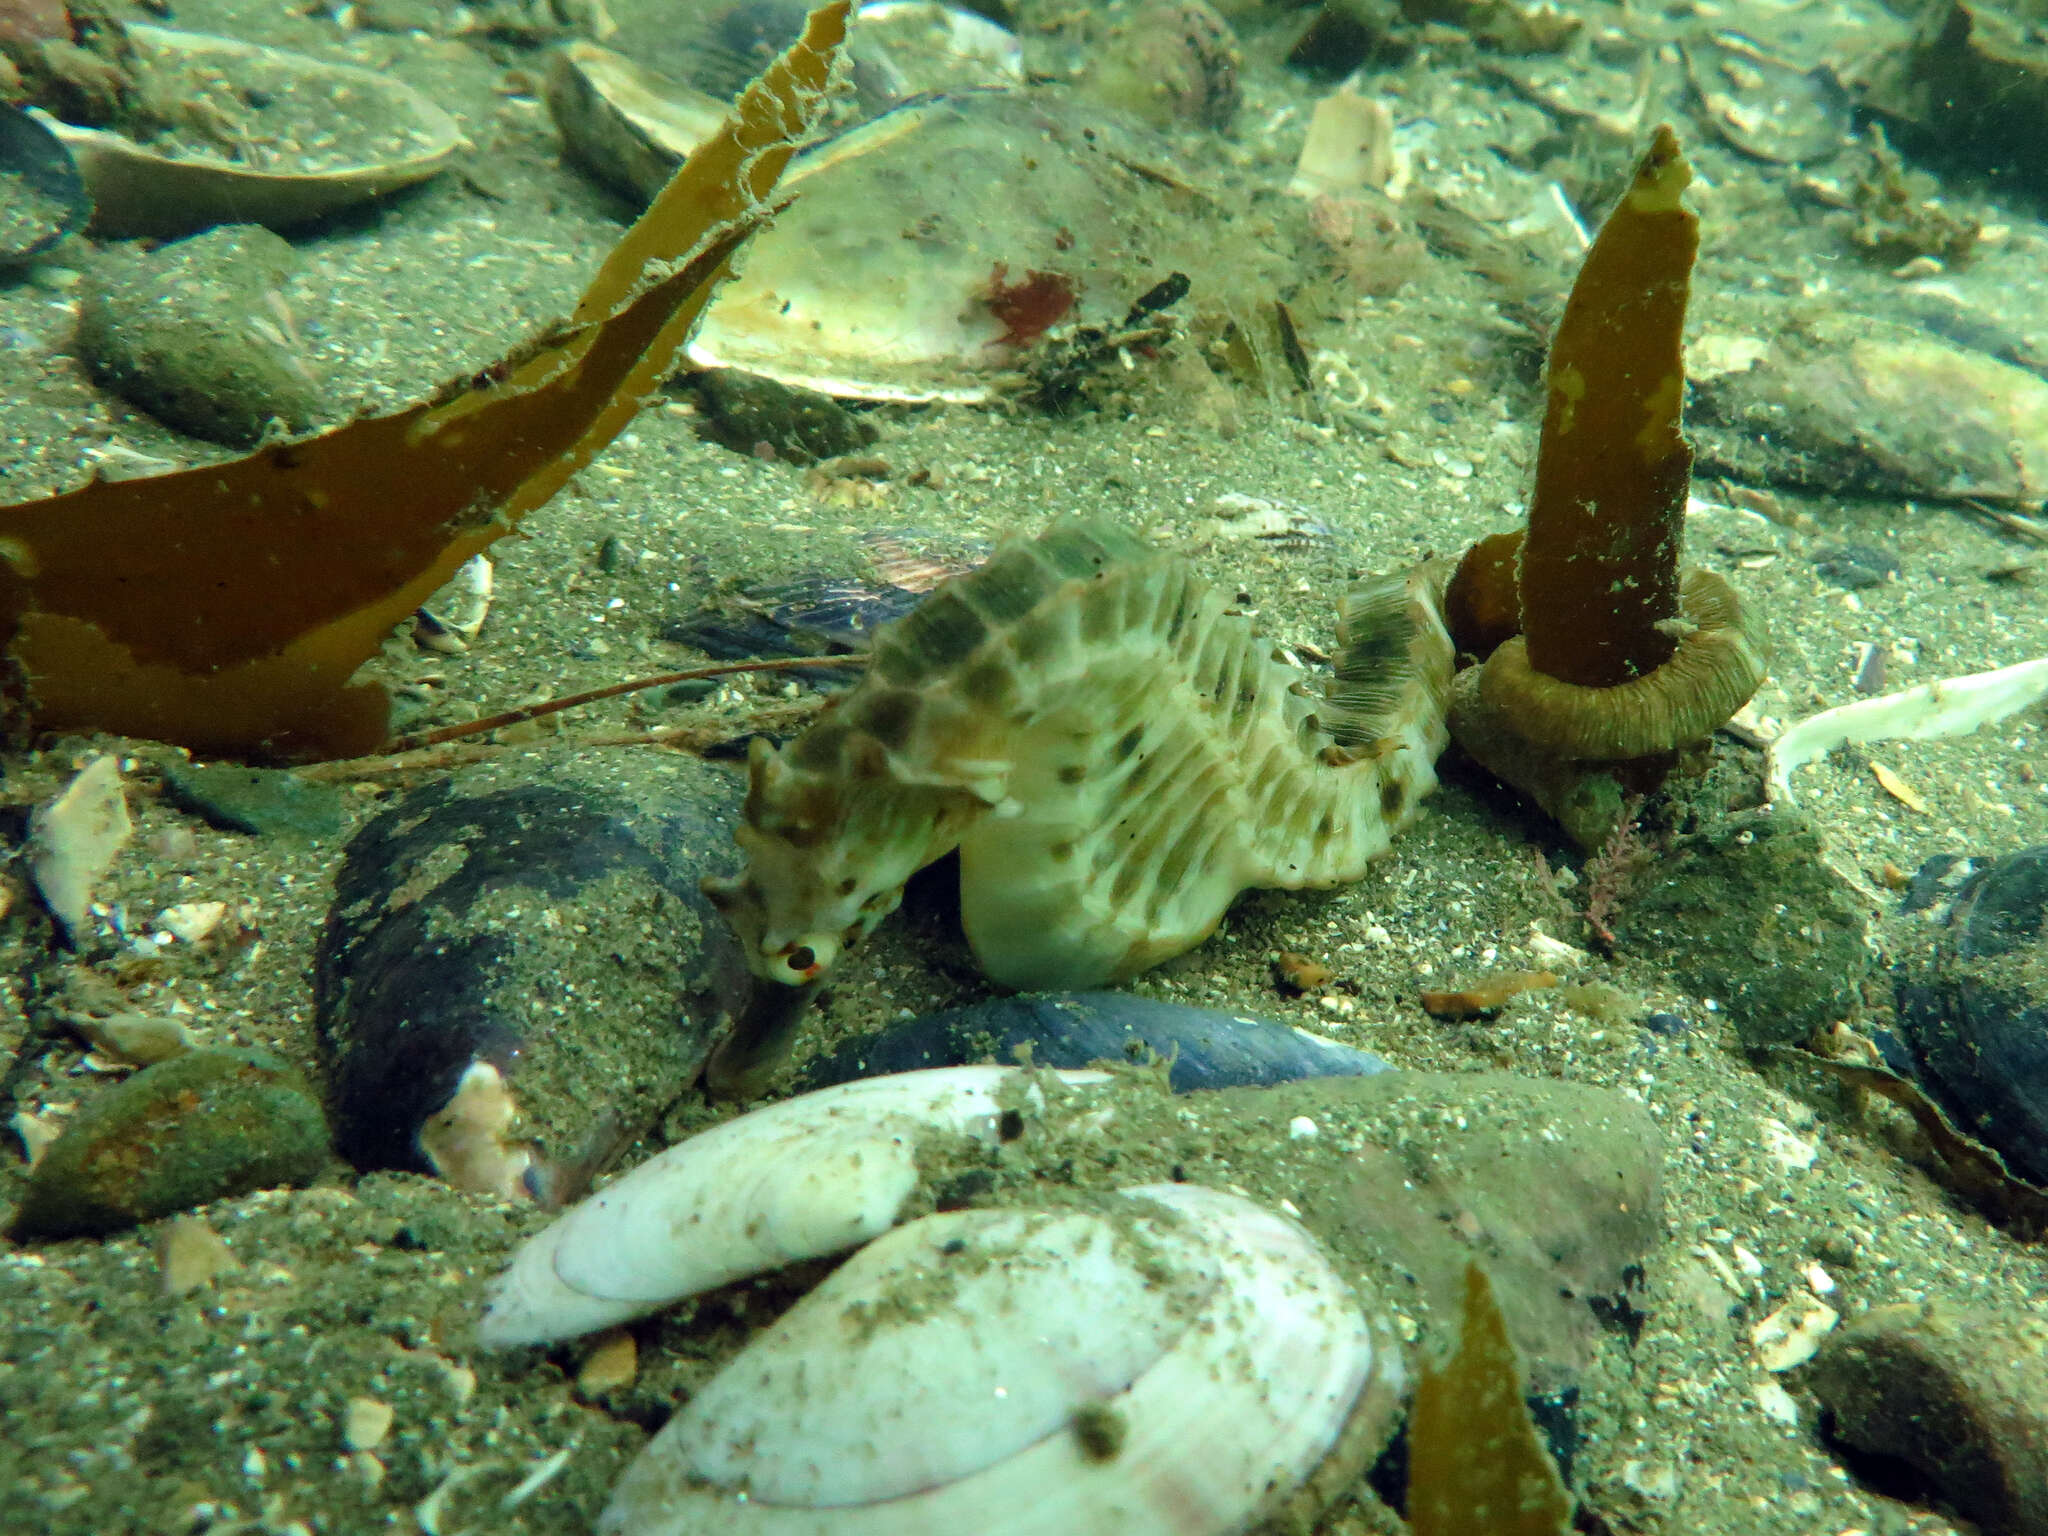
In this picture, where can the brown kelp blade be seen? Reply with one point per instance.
(227, 607)
(1476, 1463)
(1612, 469)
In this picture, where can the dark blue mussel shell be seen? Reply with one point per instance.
(1977, 1018)
(550, 927)
(1208, 1048)
(54, 202)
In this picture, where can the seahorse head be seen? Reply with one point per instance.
(794, 907)
(833, 827)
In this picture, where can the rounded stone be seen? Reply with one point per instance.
(197, 334)
(201, 1127)
(1960, 1394)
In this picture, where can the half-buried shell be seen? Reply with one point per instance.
(265, 136)
(800, 1179)
(1169, 1361)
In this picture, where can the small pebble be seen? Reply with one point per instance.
(365, 1423)
(609, 1366)
(192, 1254)
(1301, 1128)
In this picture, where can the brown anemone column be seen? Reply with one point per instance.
(1621, 659)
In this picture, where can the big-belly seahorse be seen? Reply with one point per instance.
(1114, 753)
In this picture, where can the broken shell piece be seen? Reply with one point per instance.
(459, 609)
(1173, 1361)
(1791, 1335)
(35, 1132)
(191, 921)
(1234, 515)
(1349, 147)
(73, 838)
(269, 137)
(631, 124)
(807, 1177)
(1953, 706)
(927, 250)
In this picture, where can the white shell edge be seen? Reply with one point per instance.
(799, 1179)
(1253, 1395)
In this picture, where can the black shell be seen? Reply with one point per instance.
(51, 197)
(1978, 1017)
(1208, 1048)
(541, 916)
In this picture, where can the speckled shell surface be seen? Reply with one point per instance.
(799, 1179)
(1171, 1361)
(1115, 754)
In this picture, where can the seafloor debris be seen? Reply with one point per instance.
(473, 1023)
(1487, 996)
(1114, 753)
(1958, 1393)
(294, 563)
(1952, 706)
(1622, 659)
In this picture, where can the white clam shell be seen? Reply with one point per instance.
(801, 1179)
(1105, 1371)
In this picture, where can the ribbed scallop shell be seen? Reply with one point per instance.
(1174, 1361)
(800, 1179)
